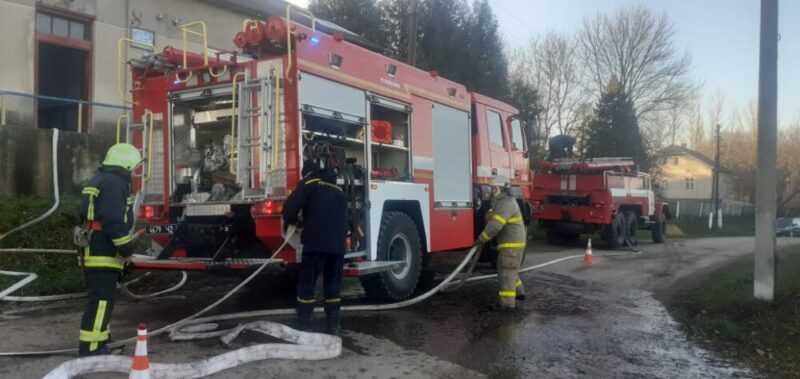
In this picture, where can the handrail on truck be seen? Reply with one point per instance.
(275, 121)
(186, 30)
(119, 123)
(234, 120)
(289, 35)
(122, 43)
(150, 116)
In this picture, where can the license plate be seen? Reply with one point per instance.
(161, 229)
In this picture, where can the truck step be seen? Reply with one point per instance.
(198, 264)
(355, 254)
(370, 267)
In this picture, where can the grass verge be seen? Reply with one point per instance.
(697, 227)
(719, 311)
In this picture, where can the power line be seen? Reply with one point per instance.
(514, 16)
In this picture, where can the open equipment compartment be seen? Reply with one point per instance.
(203, 166)
(339, 143)
(390, 140)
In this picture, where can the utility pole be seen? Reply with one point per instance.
(766, 177)
(717, 166)
(411, 55)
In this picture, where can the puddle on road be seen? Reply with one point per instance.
(566, 327)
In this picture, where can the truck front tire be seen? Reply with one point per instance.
(614, 235)
(398, 240)
(631, 227)
(660, 229)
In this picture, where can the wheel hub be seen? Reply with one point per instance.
(400, 250)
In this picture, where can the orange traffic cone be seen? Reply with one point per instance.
(140, 368)
(587, 257)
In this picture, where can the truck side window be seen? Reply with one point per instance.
(517, 138)
(496, 135)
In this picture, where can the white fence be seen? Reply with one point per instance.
(701, 208)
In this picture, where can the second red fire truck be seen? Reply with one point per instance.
(572, 196)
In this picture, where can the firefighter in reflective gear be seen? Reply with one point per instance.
(106, 208)
(324, 234)
(505, 222)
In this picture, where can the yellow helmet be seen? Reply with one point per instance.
(123, 155)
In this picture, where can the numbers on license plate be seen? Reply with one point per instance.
(161, 229)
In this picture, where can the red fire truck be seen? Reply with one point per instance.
(225, 135)
(573, 196)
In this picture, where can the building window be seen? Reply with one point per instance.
(675, 161)
(690, 184)
(63, 53)
(61, 27)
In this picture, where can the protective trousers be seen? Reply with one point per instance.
(508, 262)
(330, 265)
(101, 288)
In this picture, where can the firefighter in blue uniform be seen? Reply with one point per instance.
(106, 209)
(324, 208)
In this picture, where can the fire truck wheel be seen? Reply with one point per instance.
(614, 234)
(631, 227)
(660, 230)
(398, 240)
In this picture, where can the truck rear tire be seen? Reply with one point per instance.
(614, 235)
(631, 227)
(398, 240)
(660, 230)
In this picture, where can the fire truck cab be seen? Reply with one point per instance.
(225, 136)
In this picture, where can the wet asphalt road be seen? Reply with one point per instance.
(578, 321)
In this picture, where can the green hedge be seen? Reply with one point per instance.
(57, 273)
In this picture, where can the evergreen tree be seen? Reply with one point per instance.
(613, 130)
(487, 70)
(460, 42)
(444, 38)
(525, 98)
(363, 17)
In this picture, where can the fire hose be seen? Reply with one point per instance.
(316, 347)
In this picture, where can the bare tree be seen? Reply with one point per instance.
(551, 64)
(697, 128)
(637, 48)
(716, 109)
(675, 124)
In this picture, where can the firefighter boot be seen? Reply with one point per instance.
(333, 320)
(333, 323)
(304, 313)
(500, 308)
(520, 290)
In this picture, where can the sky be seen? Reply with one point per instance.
(721, 37)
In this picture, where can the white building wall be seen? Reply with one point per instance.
(112, 19)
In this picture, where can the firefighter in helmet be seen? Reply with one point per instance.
(106, 210)
(505, 222)
(322, 206)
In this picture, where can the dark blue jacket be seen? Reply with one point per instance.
(106, 199)
(324, 210)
